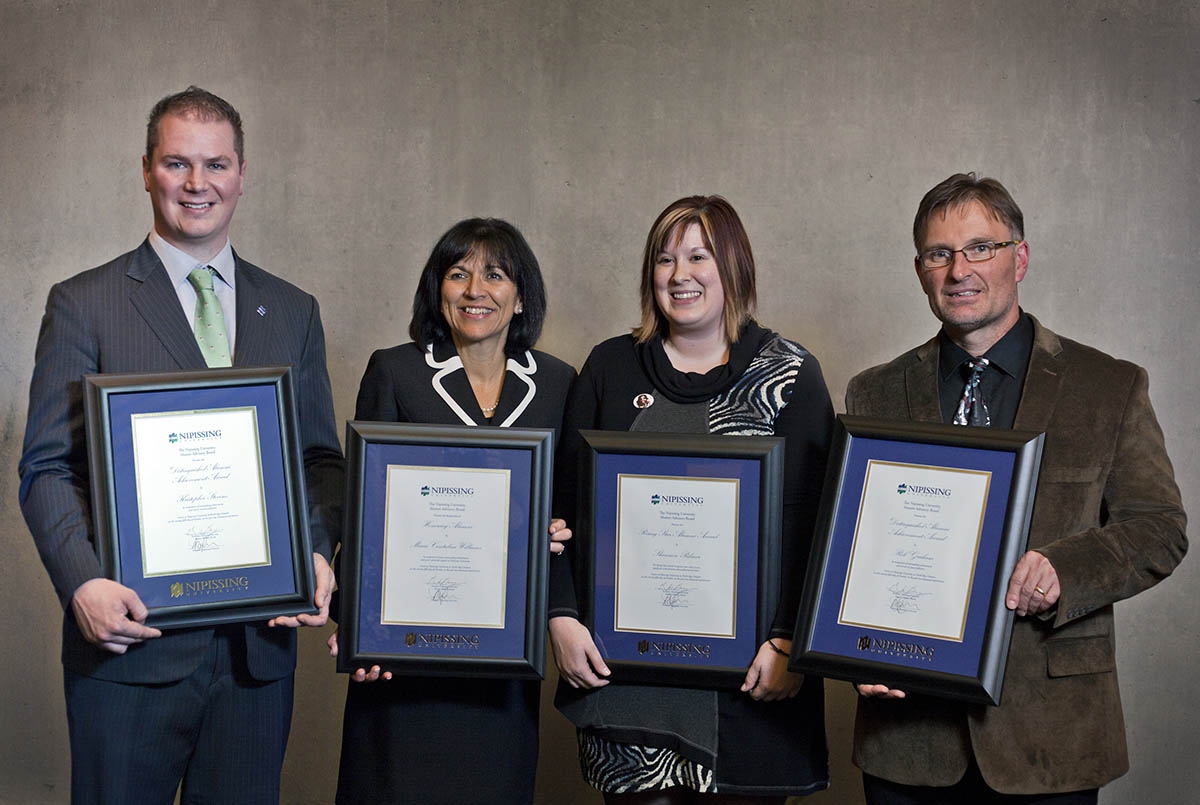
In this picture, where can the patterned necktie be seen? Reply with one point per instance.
(210, 321)
(972, 410)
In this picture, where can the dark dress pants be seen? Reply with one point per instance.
(970, 790)
(220, 732)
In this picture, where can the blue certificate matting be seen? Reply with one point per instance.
(229, 583)
(378, 638)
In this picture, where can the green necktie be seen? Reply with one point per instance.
(210, 322)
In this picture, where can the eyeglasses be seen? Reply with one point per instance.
(972, 253)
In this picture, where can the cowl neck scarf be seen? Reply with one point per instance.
(692, 387)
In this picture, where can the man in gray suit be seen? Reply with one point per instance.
(210, 707)
(1107, 523)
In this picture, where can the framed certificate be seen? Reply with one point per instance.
(198, 493)
(681, 576)
(443, 567)
(919, 530)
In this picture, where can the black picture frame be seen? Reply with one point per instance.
(977, 509)
(370, 630)
(132, 543)
(658, 656)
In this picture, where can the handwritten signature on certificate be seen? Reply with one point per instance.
(674, 596)
(906, 598)
(442, 590)
(203, 538)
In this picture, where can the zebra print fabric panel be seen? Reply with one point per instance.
(749, 407)
(617, 768)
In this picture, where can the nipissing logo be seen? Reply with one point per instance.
(229, 584)
(671, 648)
(442, 641)
(923, 490)
(193, 435)
(678, 500)
(895, 648)
(447, 491)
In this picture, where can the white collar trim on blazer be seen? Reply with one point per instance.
(454, 363)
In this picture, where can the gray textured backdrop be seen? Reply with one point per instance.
(372, 126)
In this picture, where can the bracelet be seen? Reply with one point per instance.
(777, 649)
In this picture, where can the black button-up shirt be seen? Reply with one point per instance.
(1002, 381)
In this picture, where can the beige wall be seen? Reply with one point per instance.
(372, 126)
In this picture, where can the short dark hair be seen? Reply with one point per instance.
(201, 103)
(725, 237)
(496, 242)
(963, 188)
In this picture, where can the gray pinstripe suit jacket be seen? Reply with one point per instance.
(125, 316)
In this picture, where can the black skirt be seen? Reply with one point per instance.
(731, 743)
(433, 740)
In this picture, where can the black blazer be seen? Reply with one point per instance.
(408, 384)
(125, 316)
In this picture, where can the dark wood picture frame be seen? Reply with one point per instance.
(970, 668)
(518, 649)
(663, 658)
(285, 584)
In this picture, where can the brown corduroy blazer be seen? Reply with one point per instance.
(1108, 516)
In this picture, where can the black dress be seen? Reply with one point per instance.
(438, 740)
(640, 738)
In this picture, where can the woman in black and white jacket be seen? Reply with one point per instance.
(477, 312)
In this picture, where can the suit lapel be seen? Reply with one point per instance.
(450, 383)
(1043, 380)
(250, 345)
(454, 387)
(156, 302)
(519, 389)
(921, 384)
(457, 386)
